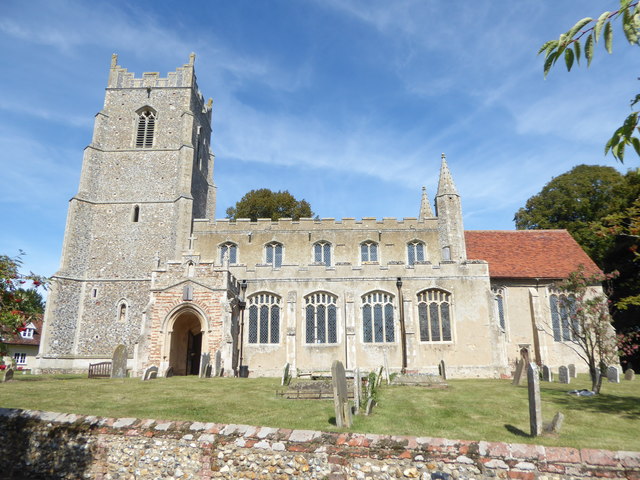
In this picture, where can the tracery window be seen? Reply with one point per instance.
(434, 314)
(264, 318)
(377, 318)
(146, 128)
(321, 318)
(415, 252)
(229, 250)
(322, 253)
(369, 251)
(498, 300)
(563, 316)
(273, 254)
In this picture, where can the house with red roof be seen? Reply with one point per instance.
(22, 347)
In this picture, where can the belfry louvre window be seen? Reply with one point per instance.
(369, 251)
(264, 318)
(273, 254)
(322, 253)
(563, 316)
(434, 314)
(415, 252)
(321, 318)
(146, 128)
(377, 318)
(229, 250)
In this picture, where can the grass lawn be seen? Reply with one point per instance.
(492, 410)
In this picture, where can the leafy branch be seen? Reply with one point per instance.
(579, 41)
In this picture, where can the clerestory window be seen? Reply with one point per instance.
(369, 251)
(321, 318)
(230, 251)
(377, 318)
(264, 318)
(322, 253)
(146, 128)
(415, 252)
(434, 314)
(273, 254)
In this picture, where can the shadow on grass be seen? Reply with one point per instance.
(627, 407)
(516, 431)
(332, 421)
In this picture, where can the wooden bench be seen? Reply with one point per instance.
(100, 370)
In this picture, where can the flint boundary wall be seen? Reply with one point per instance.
(39, 445)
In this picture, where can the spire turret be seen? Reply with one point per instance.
(449, 213)
(425, 207)
(445, 183)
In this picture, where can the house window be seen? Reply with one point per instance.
(563, 316)
(27, 332)
(369, 251)
(264, 318)
(20, 358)
(229, 250)
(498, 301)
(273, 254)
(415, 252)
(377, 318)
(434, 314)
(322, 253)
(146, 127)
(321, 318)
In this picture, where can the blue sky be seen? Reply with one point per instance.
(347, 104)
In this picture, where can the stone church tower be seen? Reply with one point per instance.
(145, 176)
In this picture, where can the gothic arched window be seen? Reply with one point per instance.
(563, 316)
(377, 318)
(273, 254)
(369, 251)
(264, 318)
(434, 314)
(498, 298)
(322, 253)
(415, 252)
(146, 128)
(229, 250)
(321, 318)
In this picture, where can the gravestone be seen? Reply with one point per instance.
(556, 424)
(379, 376)
(613, 374)
(119, 362)
(357, 389)
(535, 407)
(217, 372)
(286, 378)
(340, 397)
(386, 369)
(629, 374)
(442, 368)
(168, 372)
(205, 365)
(517, 376)
(8, 374)
(547, 375)
(369, 409)
(572, 371)
(150, 373)
(563, 375)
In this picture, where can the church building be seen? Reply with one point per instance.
(146, 264)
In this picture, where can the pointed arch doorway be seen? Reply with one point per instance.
(186, 343)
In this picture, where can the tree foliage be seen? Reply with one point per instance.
(580, 41)
(264, 203)
(19, 300)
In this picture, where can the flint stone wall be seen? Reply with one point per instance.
(54, 445)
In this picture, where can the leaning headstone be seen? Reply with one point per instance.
(285, 375)
(386, 369)
(205, 364)
(379, 376)
(563, 375)
(168, 372)
(517, 376)
(150, 373)
(572, 371)
(613, 374)
(442, 368)
(370, 404)
(119, 362)
(357, 389)
(218, 363)
(547, 376)
(556, 424)
(629, 374)
(8, 375)
(340, 397)
(535, 407)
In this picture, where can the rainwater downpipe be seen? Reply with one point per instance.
(403, 331)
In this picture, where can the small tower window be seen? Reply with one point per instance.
(136, 214)
(122, 312)
(146, 127)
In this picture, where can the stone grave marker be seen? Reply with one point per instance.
(119, 362)
(535, 407)
(340, 397)
(369, 409)
(613, 374)
(629, 374)
(517, 376)
(563, 375)
(386, 369)
(572, 371)
(168, 372)
(357, 389)
(556, 424)
(150, 373)
(442, 369)
(379, 376)
(217, 371)
(286, 377)
(205, 364)
(8, 374)
(547, 375)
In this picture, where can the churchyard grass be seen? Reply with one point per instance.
(491, 410)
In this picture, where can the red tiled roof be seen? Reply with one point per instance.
(528, 253)
(16, 339)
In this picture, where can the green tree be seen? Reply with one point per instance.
(574, 200)
(580, 40)
(264, 203)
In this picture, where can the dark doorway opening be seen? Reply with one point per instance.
(186, 344)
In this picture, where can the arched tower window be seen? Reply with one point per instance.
(122, 311)
(321, 318)
(264, 318)
(369, 251)
(377, 318)
(230, 251)
(146, 128)
(135, 216)
(415, 252)
(434, 313)
(322, 253)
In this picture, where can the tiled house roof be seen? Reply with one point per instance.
(544, 254)
(16, 339)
